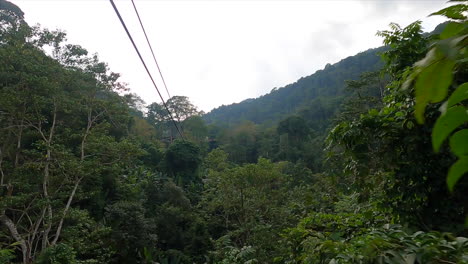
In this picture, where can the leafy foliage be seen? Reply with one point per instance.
(86, 176)
(433, 75)
(387, 244)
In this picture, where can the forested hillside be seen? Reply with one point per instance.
(323, 90)
(362, 162)
(315, 97)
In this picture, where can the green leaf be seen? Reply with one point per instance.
(453, 12)
(459, 143)
(451, 29)
(460, 94)
(446, 123)
(399, 114)
(15, 244)
(456, 171)
(409, 125)
(432, 85)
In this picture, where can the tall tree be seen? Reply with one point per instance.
(181, 107)
(58, 116)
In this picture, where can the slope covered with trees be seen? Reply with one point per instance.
(317, 95)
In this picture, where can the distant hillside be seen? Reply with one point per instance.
(316, 96)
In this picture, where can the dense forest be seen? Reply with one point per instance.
(361, 162)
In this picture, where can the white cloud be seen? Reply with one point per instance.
(220, 52)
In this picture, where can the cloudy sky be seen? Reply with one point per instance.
(221, 52)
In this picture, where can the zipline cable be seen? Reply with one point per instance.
(144, 64)
(151, 48)
(155, 60)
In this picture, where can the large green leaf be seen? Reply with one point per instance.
(446, 123)
(450, 48)
(451, 29)
(459, 143)
(460, 94)
(456, 171)
(432, 85)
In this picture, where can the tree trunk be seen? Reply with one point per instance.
(67, 207)
(91, 121)
(45, 182)
(14, 233)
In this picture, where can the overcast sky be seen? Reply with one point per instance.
(221, 52)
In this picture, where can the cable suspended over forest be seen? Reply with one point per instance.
(146, 67)
(155, 60)
(151, 48)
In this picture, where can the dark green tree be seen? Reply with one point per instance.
(183, 160)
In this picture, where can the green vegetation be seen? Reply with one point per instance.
(347, 165)
(315, 97)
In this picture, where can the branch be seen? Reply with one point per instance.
(67, 207)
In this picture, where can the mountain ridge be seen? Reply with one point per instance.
(279, 103)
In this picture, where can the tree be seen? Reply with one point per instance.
(157, 114)
(365, 93)
(136, 103)
(133, 230)
(240, 143)
(182, 162)
(181, 107)
(384, 152)
(407, 45)
(60, 122)
(293, 133)
(196, 130)
(12, 25)
(249, 203)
